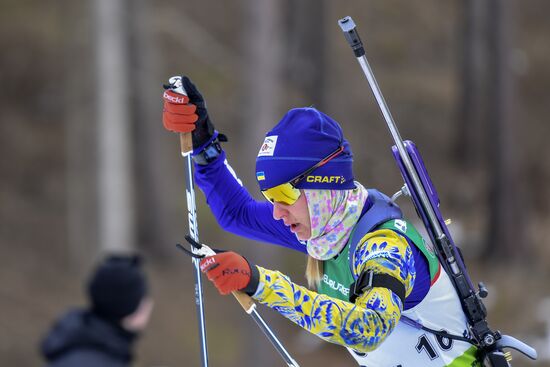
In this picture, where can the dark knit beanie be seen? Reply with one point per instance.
(116, 287)
(302, 138)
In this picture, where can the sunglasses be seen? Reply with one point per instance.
(287, 193)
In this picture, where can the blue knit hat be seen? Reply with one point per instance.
(302, 138)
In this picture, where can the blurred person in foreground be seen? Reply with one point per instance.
(375, 286)
(103, 333)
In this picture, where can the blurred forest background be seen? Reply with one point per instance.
(86, 166)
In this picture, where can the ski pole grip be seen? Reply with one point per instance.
(348, 27)
(186, 143)
(245, 300)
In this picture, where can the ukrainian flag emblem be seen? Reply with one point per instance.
(260, 176)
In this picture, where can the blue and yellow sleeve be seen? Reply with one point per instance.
(362, 325)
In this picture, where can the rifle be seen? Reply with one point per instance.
(419, 187)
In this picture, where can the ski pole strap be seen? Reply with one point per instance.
(368, 279)
(209, 153)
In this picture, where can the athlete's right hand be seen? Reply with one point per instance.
(185, 114)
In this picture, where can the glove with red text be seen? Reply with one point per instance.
(187, 113)
(231, 272)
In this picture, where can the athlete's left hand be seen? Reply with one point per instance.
(230, 272)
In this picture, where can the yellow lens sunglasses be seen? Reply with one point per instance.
(287, 193)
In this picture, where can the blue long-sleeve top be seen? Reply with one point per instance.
(238, 212)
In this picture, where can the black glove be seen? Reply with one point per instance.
(204, 127)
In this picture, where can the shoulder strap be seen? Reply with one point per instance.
(381, 210)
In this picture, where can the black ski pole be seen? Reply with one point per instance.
(186, 145)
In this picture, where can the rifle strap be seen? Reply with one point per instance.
(440, 333)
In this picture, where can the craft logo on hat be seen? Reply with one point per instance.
(268, 147)
(326, 179)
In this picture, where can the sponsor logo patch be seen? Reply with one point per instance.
(401, 225)
(175, 99)
(335, 285)
(326, 179)
(206, 263)
(268, 147)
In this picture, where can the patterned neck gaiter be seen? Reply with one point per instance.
(333, 214)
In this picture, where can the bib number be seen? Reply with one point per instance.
(425, 345)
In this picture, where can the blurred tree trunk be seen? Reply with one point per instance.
(116, 222)
(507, 232)
(306, 61)
(263, 72)
(262, 78)
(81, 132)
(470, 114)
(156, 180)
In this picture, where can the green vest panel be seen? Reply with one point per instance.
(338, 276)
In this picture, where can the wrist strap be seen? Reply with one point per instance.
(209, 153)
(252, 285)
